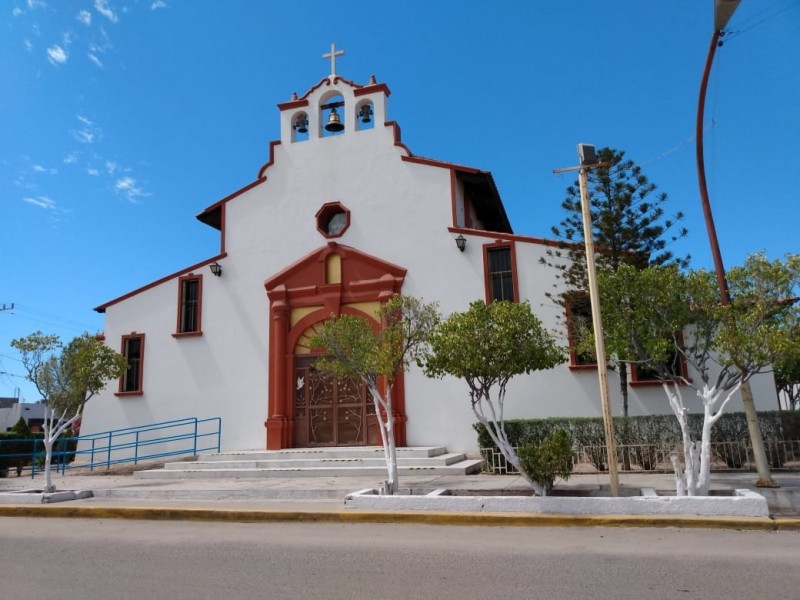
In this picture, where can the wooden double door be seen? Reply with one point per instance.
(331, 411)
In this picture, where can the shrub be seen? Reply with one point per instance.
(548, 460)
(648, 435)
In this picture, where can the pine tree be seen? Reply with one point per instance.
(629, 225)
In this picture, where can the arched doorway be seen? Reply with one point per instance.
(306, 408)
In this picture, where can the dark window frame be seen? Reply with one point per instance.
(130, 384)
(190, 310)
(511, 286)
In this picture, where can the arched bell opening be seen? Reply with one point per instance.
(300, 126)
(364, 115)
(331, 115)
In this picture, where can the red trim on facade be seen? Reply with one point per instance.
(238, 192)
(509, 237)
(364, 278)
(396, 134)
(139, 389)
(370, 89)
(271, 160)
(441, 164)
(453, 198)
(102, 308)
(292, 104)
(514, 273)
(199, 309)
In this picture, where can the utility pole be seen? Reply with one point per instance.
(6, 307)
(588, 160)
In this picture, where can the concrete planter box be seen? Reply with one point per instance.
(743, 503)
(40, 497)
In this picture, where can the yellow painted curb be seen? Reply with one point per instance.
(407, 517)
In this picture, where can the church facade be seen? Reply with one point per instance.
(342, 216)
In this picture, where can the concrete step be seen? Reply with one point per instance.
(465, 467)
(324, 452)
(276, 462)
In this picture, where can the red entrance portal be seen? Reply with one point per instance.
(333, 280)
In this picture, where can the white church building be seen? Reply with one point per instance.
(341, 216)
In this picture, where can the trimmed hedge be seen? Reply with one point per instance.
(649, 431)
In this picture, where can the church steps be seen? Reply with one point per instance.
(317, 462)
(300, 463)
(466, 467)
(344, 452)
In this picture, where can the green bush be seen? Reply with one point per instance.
(647, 434)
(548, 460)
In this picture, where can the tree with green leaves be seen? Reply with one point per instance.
(787, 379)
(652, 315)
(629, 226)
(66, 376)
(355, 349)
(486, 346)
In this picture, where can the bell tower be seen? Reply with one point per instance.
(333, 107)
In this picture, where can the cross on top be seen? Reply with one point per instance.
(332, 55)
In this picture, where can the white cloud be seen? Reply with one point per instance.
(56, 55)
(36, 3)
(70, 158)
(93, 172)
(83, 136)
(42, 202)
(85, 17)
(110, 167)
(28, 45)
(17, 11)
(158, 4)
(88, 133)
(39, 169)
(128, 188)
(94, 59)
(102, 7)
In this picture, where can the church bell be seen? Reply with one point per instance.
(334, 123)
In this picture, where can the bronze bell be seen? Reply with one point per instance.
(334, 123)
(301, 124)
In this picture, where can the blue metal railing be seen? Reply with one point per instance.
(188, 436)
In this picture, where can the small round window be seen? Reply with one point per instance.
(333, 219)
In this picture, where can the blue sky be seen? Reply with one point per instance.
(120, 120)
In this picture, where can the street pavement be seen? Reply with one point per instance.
(322, 498)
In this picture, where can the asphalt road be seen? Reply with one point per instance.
(118, 560)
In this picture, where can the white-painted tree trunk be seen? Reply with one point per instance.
(497, 432)
(52, 430)
(386, 428)
(694, 479)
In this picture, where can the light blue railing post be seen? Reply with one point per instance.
(91, 464)
(108, 464)
(136, 450)
(194, 446)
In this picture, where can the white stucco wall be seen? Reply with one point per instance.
(400, 212)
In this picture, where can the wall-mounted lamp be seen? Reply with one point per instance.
(461, 242)
(216, 268)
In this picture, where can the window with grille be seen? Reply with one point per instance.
(189, 301)
(500, 274)
(133, 351)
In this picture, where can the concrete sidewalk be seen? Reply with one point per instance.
(322, 499)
